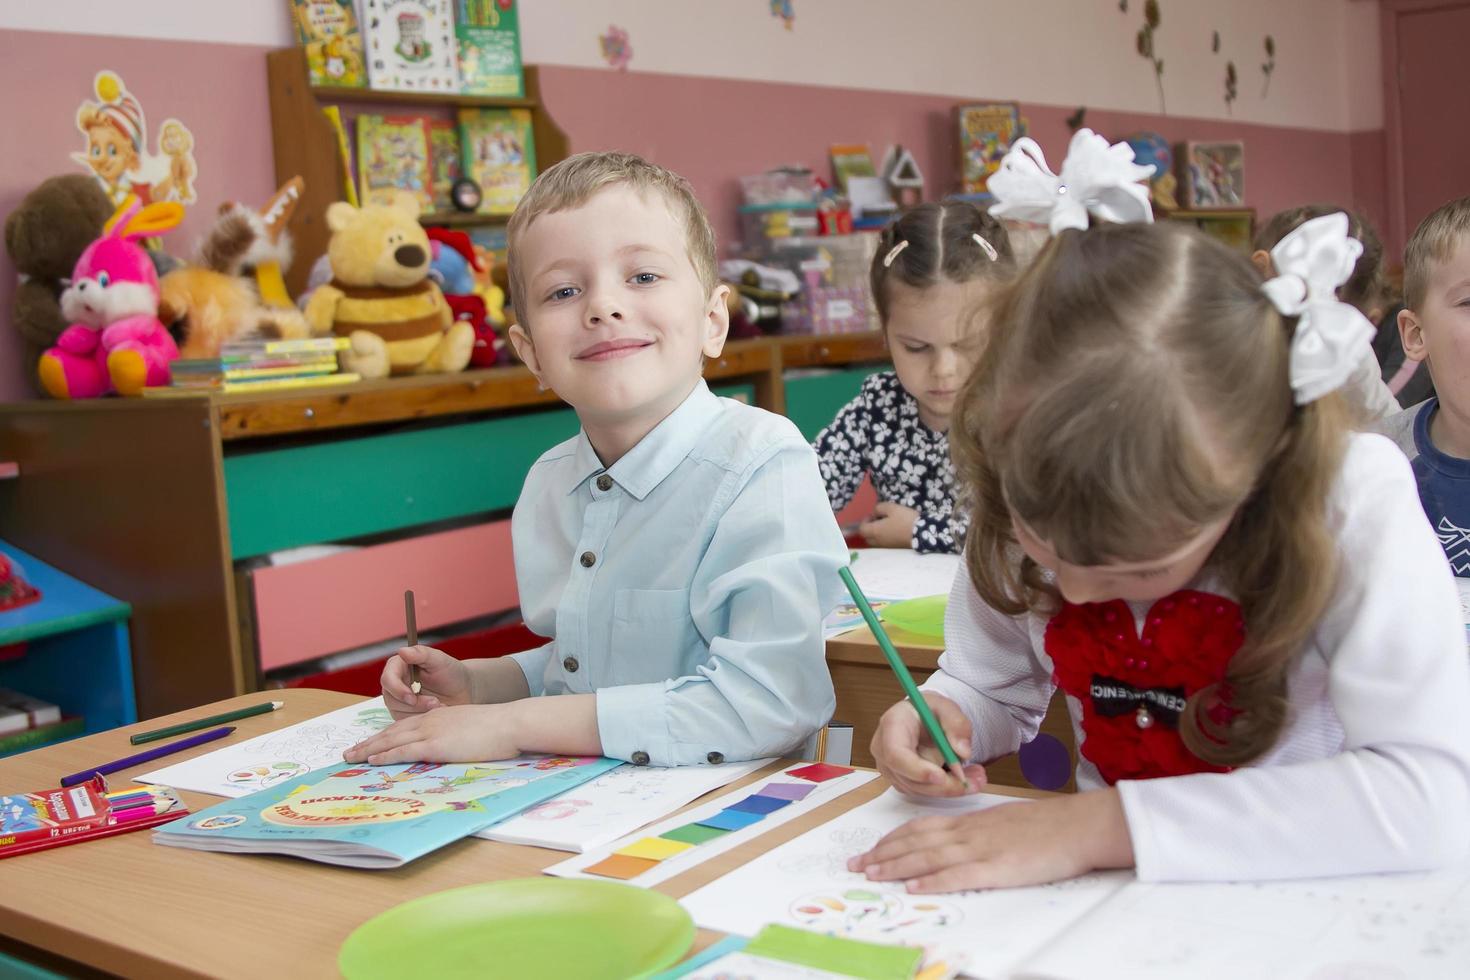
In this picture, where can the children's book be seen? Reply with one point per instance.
(445, 166)
(986, 133)
(53, 817)
(851, 160)
(614, 804)
(393, 155)
(488, 36)
(380, 816)
(499, 155)
(1103, 923)
(327, 29)
(410, 45)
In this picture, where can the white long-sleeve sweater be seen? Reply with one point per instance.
(1372, 772)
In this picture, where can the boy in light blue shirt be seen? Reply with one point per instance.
(679, 552)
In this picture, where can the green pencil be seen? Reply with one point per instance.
(951, 759)
(189, 726)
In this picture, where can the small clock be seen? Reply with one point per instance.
(465, 194)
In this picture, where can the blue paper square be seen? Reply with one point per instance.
(759, 804)
(731, 819)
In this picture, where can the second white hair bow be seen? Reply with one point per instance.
(1096, 178)
(1311, 262)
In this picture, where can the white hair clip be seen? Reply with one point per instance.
(1096, 178)
(989, 248)
(893, 253)
(1311, 262)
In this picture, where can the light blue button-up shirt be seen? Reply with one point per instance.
(686, 584)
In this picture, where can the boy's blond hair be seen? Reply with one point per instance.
(575, 180)
(1435, 240)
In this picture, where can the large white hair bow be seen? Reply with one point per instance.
(1311, 262)
(1095, 178)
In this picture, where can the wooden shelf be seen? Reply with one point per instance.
(336, 93)
(461, 219)
(305, 144)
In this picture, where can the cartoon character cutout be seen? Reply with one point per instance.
(116, 134)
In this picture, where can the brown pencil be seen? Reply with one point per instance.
(413, 640)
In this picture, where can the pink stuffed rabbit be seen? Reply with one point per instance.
(116, 341)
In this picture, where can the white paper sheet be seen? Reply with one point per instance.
(615, 804)
(824, 792)
(805, 883)
(264, 761)
(902, 573)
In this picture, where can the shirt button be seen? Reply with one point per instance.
(604, 483)
(714, 758)
(640, 758)
(570, 665)
(588, 559)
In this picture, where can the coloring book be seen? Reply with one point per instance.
(380, 816)
(1104, 924)
(270, 759)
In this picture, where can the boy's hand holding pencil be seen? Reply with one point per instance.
(442, 679)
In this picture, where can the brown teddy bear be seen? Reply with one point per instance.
(381, 297)
(45, 236)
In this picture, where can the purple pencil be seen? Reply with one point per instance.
(149, 756)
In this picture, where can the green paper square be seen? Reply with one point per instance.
(693, 833)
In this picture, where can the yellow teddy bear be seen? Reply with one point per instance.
(381, 298)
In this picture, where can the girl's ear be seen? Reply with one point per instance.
(1261, 259)
(717, 322)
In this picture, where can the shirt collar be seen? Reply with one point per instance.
(657, 454)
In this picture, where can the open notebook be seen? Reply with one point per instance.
(1104, 924)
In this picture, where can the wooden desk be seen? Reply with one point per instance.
(127, 906)
(866, 688)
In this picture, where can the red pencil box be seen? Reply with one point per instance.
(55, 817)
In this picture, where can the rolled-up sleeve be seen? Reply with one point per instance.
(766, 581)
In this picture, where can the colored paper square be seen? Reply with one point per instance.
(819, 772)
(620, 866)
(694, 833)
(786, 791)
(759, 804)
(654, 848)
(731, 819)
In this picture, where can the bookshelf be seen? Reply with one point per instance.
(304, 143)
(69, 647)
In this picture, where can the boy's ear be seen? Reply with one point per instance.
(525, 349)
(1261, 259)
(717, 322)
(1411, 335)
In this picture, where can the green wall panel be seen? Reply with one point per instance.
(812, 400)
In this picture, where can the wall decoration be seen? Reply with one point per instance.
(116, 134)
(784, 10)
(616, 49)
(986, 132)
(1213, 174)
(1215, 42)
(1230, 87)
(1077, 119)
(1151, 149)
(1269, 65)
(1145, 45)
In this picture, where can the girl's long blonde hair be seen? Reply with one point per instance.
(1134, 390)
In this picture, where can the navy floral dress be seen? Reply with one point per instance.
(879, 434)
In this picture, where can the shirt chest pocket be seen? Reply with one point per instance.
(653, 634)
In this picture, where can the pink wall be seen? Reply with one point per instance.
(217, 90)
(710, 129)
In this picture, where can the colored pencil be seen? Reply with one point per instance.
(413, 640)
(139, 812)
(149, 756)
(931, 724)
(194, 726)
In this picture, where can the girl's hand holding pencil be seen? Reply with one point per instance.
(908, 757)
(443, 680)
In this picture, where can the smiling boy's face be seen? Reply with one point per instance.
(616, 320)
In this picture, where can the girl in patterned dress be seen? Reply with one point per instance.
(935, 266)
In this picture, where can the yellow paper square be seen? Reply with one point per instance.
(655, 848)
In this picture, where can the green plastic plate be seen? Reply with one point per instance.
(924, 615)
(523, 928)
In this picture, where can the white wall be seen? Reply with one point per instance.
(1059, 52)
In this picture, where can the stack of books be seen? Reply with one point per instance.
(26, 722)
(260, 365)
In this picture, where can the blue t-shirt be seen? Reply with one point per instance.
(1444, 489)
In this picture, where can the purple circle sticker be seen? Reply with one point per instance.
(1045, 762)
